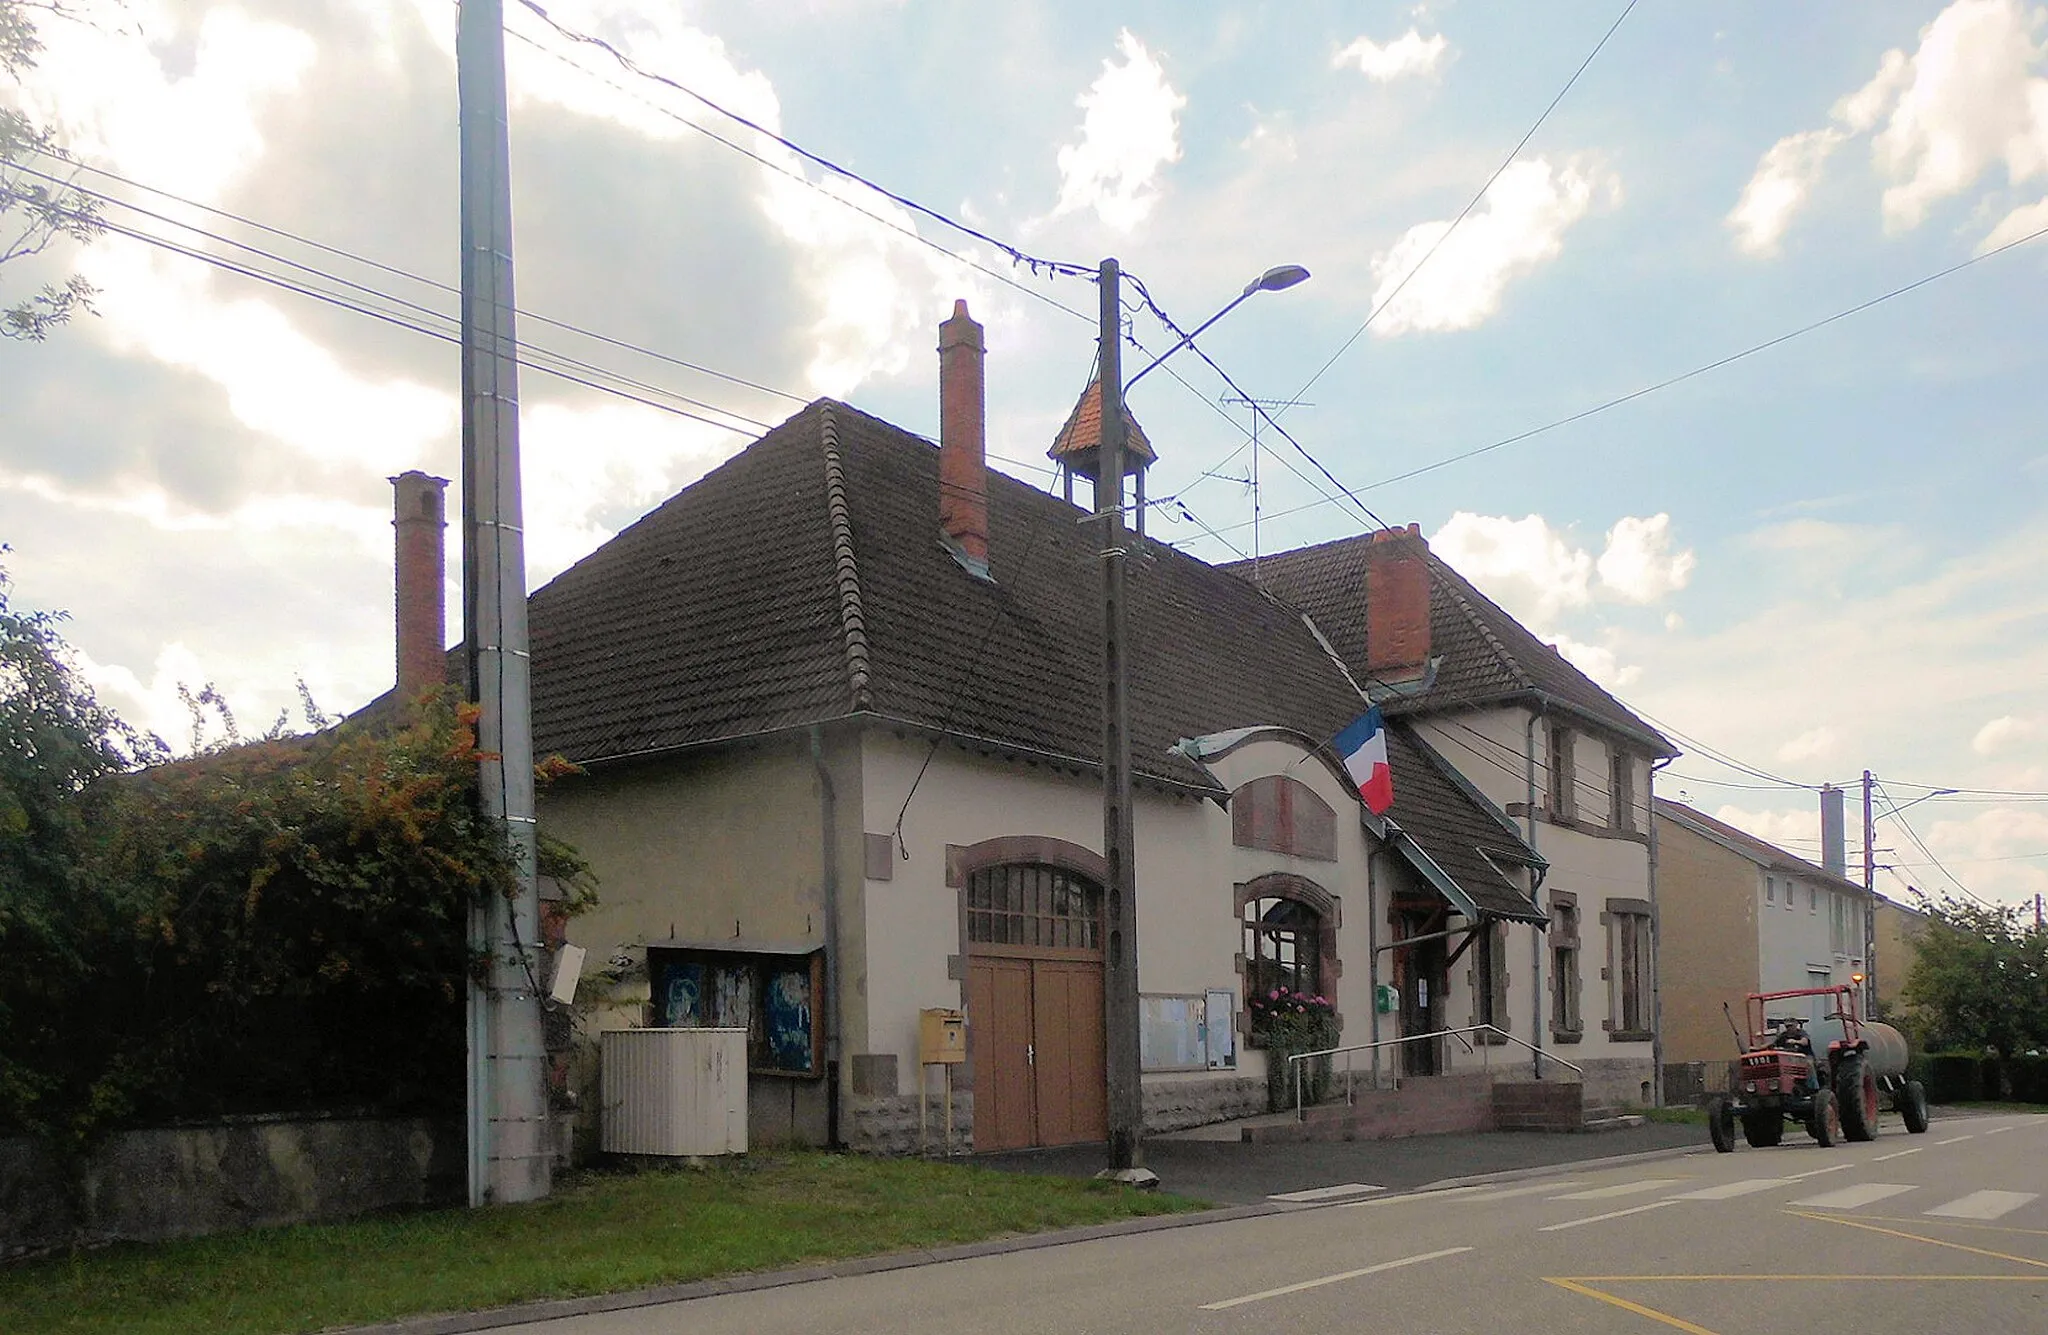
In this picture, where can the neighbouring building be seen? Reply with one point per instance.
(1742, 915)
(1896, 935)
(838, 708)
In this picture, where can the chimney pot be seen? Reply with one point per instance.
(963, 444)
(417, 517)
(1397, 601)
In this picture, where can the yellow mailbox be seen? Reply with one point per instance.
(941, 1037)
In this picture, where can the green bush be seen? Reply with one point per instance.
(2028, 1077)
(1954, 1077)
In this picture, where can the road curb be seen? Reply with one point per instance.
(555, 1309)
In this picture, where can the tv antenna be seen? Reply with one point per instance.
(1258, 416)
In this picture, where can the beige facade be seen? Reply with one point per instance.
(1897, 931)
(1597, 887)
(1707, 896)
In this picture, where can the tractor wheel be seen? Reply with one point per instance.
(1824, 1124)
(1764, 1128)
(1721, 1125)
(1856, 1094)
(1912, 1105)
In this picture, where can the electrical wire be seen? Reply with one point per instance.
(1471, 204)
(1034, 263)
(1897, 816)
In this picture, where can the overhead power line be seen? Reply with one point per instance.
(1470, 204)
(1036, 264)
(1667, 383)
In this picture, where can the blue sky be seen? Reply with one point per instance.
(1817, 560)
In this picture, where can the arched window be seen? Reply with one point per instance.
(1283, 941)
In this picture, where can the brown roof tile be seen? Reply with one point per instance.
(1487, 655)
(1082, 435)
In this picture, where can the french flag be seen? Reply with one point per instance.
(1364, 748)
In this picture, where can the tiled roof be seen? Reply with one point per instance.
(1748, 845)
(804, 580)
(1456, 828)
(1486, 654)
(1082, 435)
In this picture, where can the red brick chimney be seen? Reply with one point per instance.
(1397, 603)
(416, 516)
(963, 446)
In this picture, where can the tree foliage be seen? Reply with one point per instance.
(267, 927)
(1979, 979)
(39, 204)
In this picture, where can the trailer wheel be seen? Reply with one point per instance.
(1764, 1128)
(1824, 1124)
(1856, 1096)
(1721, 1125)
(1911, 1102)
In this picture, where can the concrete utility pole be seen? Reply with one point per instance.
(1119, 903)
(508, 1150)
(1869, 894)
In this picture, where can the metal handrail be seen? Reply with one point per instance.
(1294, 1058)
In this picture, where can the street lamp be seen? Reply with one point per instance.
(1125, 1107)
(1276, 279)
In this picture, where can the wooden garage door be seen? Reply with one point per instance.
(1035, 1007)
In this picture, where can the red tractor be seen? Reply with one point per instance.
(1826, 1079)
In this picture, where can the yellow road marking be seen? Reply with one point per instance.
(1956, 1223)
(1915, 1237)
(1676, 1323)
(1748, 1279)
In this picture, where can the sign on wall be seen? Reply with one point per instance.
(1175, 1032)
(776, 998)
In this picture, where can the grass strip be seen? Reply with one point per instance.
(599, 1233)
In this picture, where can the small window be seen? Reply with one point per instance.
(1813, 899)
(1770, 889)
(1563, 774)
(1490, 976)
(1564, 969)
(1033, 905)
(1621, 787)
(1630, 968)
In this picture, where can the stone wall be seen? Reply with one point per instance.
(143, 1186)
(1538, 1105)
(1619, 1082)
(1422, 1106)
(887, 1124)
(1178, 1104)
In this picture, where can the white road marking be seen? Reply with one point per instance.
(1985, 1205)
(1326, 1193)
(1730, 1190)
(1331, 1279)
(1412, 1196)
(1998, 1130)
(1536, 1190)
(1817, 1172)
(1600, 1218)
(1625, 1189)
(1856, 1197)
(1900, 1155)
(1954, 1139)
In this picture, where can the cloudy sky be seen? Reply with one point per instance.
(1821, 558)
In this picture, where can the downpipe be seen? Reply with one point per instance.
(828, 824)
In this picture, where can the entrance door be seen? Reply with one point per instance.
(1034, 997)
(1419, 973)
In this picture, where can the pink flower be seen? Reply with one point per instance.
(1274, 994)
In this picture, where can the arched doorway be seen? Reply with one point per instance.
(1034, 976)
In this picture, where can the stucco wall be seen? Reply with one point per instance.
(1897, 928)
(719, 848)
(1708, 901)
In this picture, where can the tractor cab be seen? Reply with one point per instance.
(1824, 1078)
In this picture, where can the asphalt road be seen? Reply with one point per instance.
(1907, 1235)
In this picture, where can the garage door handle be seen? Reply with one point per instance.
(1031, 1054)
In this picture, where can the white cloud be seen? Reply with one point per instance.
(1410, 53)
(1639, 564)
(1813, 744)
(1530, 567)
(1130, 130)
(1597, 661)
(1538, 572)
(1519, 226)
(1966, 101)
(2004, 733)
(1779, 189)
(1971, 103)
(1797, 832)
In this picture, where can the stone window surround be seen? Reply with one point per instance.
(1560, 939)
(1640, 908)
(1328, 907)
